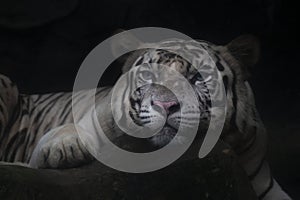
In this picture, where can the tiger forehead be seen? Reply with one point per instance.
(164, 58)
(172, 60)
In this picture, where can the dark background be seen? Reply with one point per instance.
(42, 44)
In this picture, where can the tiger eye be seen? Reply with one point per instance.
(146, 75)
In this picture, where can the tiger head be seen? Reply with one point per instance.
(161, 91)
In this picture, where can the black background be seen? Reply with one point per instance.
(42, 44)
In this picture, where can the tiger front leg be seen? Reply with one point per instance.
(60, 148)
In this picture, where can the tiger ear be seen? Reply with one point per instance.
(123, 42)
(245, 49)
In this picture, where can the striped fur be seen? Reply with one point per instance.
(38, 129)
(25, 119)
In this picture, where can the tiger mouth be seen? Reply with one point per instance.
(164, 136)
(168, 130)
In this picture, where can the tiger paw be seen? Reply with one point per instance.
(60, 148)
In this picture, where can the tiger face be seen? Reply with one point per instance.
(153, 74)
(154, 105)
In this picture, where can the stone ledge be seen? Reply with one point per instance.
(216, 177)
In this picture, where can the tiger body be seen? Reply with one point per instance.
(38, 129)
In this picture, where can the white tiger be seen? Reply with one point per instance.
(39, 129)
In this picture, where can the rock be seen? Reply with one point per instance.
(216, 177)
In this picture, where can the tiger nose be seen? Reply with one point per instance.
(168, 106)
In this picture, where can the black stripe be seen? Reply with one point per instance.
(66, 109)
(72, 152)
(219, 65)
(253, 139)
(45, 109)
(80, 149)
(10, 143)
(145, 117)
(271, 184)
(234, 99)
(139, 61)
(17, 146)
(99, 91)
(77, 97)
(46, 156)
(37, 120)
(61, 155)
(225, 82)
(67, 114)
(39, 97)
(17, 138)
(25, 148)
(49, 101)
(4, 83)
(1, 98)
(12, 121)
(48, 97)
(256, 171)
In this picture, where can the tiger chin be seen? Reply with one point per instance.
(44, 136)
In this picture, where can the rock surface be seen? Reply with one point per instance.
(216, 177)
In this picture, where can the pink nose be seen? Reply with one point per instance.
(166, 105)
